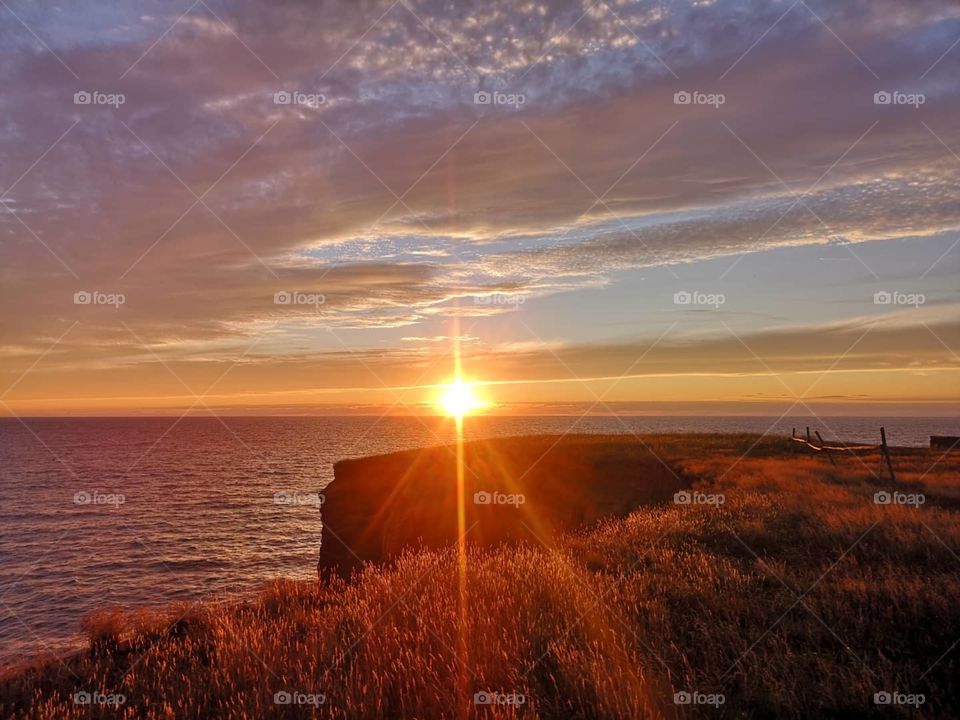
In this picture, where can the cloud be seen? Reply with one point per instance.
(399, 199)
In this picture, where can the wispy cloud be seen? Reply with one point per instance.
(401, 199)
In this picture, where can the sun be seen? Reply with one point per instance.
(458, 399)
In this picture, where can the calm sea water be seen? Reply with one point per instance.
(199, 516)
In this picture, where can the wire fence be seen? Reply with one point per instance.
(845, 448)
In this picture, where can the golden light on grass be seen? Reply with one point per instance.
(459, 398)
(613, 641)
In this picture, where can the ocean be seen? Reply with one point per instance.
(133, 512)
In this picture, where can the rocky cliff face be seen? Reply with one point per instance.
(514, 489)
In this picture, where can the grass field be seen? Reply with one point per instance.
(782, 589)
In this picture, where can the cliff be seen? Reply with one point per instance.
(514, 488)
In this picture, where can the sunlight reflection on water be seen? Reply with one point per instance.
(109, 514)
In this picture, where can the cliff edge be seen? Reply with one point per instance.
(526, 488)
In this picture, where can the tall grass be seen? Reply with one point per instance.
(796, 597)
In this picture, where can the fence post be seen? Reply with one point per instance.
(823, 446)
(886, 452)
(808, 433)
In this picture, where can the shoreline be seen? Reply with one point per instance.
(251, 592)
(780, 500)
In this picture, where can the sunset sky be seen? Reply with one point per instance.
(552, 234)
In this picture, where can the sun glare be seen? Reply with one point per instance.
(458, 399)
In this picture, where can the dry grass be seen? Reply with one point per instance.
(797, 597)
